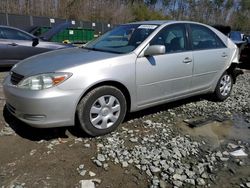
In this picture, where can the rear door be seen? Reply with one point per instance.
(161, 77)
(209, 56)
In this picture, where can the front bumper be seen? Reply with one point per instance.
(46, 108)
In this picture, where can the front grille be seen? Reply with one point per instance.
(16, 78)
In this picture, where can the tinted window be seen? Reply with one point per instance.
(235, 35)
(173, 37)
(204, 38)
(13, 34)
(1, 34)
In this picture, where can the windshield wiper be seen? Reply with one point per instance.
(101, 50)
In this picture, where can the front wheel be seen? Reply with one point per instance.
(101, 110)
(224, 87)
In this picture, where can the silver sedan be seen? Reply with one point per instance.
(133, 67)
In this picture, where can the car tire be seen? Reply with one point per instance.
(101, 110)
(224, 87)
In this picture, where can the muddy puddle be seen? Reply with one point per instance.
(217, 132)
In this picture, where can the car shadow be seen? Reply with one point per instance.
(166, 106)
(37, 134)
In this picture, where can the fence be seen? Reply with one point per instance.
(26, 22)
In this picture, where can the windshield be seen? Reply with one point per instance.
(122, 39)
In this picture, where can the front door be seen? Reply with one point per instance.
(166, 76)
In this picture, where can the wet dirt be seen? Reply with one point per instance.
(218, 132)
(217, 136)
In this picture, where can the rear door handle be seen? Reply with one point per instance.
(187, 60)
(12, 44)
(224, 54)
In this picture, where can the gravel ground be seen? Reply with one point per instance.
(188, 143)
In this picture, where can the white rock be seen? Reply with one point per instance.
(130, 161)
(81, 167)
(177, 183)
(101, 158)
(92, 174)
(190, 181)
(154, 169)
(177, 177)
(100, 145)
(105, 166)
(200, 181)
(224, 159)
(87, 184)
(218, 154)
(133, 140)
(248, 184)
(86, 145)
(124, 164)
(96, 180)
(225, 153)
(83, 172)
(78, 140)
(238, 153)
(204, 175)
(32, 152)
(171, 170)
(98, 163)
(7, 131)
(163, 184)
(232, 146)
(130, 131)
(41, 141)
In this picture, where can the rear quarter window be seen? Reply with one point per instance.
(9, 33)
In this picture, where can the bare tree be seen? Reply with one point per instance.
(231, 12)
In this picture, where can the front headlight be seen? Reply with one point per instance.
(43, 81)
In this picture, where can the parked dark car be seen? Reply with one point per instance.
(16, 45)
(245, 53)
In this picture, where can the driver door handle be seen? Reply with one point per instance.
(187, 60)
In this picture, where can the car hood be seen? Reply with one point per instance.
(59, 60)
(53, 45)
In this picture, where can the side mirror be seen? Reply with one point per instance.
(35, 42)
(155, 50)
(244, 38)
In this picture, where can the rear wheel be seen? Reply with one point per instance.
(224, 87)
(101, 110)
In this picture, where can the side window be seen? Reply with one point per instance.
(203, 38)
(15, 34)
(173, 37)
(1, 34)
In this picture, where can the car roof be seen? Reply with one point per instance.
(162, 22)
(157, 22)
(6, 26)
